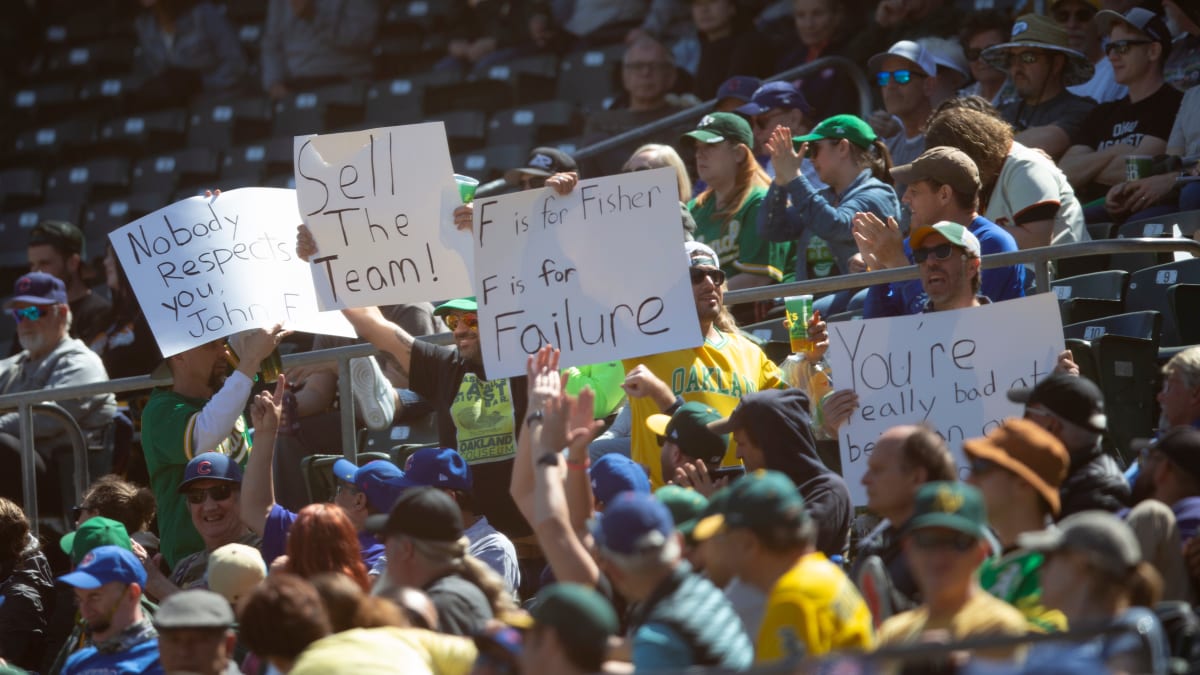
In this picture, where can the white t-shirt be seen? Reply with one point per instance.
(1029, 178)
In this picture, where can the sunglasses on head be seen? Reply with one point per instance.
(1122, 46)
(31, 313)
(900, 76)
(219, 494)
(471, 319)
(939, 252)
(930, 540)
(699, 275)
(1080, 15)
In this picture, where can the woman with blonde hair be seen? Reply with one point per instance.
(655, 156)
(727, 211)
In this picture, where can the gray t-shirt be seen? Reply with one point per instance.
(1065, 110)
(462, 608)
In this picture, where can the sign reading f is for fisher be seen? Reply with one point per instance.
(379, 204)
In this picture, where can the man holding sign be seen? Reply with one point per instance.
(948, 255)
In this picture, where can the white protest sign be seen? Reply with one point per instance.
(205, 268)
(380, 206)
(600, 273)
(951, 370)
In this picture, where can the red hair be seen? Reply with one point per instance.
(323, 540)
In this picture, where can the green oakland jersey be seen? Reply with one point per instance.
(1016, 578)
(735, 240)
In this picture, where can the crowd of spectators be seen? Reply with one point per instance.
(621, 515)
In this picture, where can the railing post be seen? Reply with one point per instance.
(346, 396)
(28, 465)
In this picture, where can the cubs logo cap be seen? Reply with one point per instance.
(104, 565)
(437, 467)
(38, 288)
(210, 466)
(379, 480)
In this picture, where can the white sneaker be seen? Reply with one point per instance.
(373, 394)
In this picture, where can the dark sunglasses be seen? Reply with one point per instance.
(1122, 46)
(930, 540)
(471, 319)
(939, 252)
(900, 76)
(219, 494)
(32, 313)
(1027, 58)
(77, 511)
(343, 486)
(1080, 15)
(699, 275)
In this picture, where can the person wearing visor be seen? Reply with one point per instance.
(905, 77)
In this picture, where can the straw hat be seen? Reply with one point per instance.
(1034, 31)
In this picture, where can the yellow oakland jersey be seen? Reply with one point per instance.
(718, 374)
(814, 609)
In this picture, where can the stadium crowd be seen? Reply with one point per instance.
(618, 517)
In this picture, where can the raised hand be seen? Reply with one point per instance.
(306, 246)
(266, 408)
(464, 217)
(881, 243)
(784, 157)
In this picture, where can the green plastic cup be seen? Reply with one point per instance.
(466, 187)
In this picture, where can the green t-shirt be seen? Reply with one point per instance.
(167, 423)
(736, 241)
(1016, 578)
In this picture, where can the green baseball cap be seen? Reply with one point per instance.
(721, 126)
(688, 429)
(849, 127)
(765, 502)
(952, 505)
(457, 305)
(715, 507)
(582, 618)
(93, 533)
(684, 503)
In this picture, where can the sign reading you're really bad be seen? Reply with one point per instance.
(206, 268)
(600, 273)
(379, 204)
(951, 370)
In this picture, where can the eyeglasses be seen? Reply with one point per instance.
(32, 313)
(346, 487)
(814, 148)
(532, 182)
(900, 76)
(219, 494)
(1122, 46)
(471, 319)
(940, 252)
(1081, 15)
(1026, 58)
(699, 275)
(77, 511)
(930, 540)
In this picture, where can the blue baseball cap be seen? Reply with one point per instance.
(38, 288)
(741, 87)
(380, 481)
(633, 522)
(211, 466)
(104, 565)
(772, 95)
(437, 467)
(613, 474)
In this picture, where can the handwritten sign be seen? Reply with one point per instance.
(600, 273)
(951, 370)
(203, 269)
(380, 206)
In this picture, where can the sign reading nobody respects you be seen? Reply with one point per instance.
(380, 206)
(600, 273)
(951, 370)
(204, 269)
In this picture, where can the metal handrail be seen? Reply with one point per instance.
(25, 402)
(1040, 258)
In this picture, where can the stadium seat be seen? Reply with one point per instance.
(224, 125)
(531, 125)
(531, 78)
(20, 187)
(108, 92)
(104, 217)
(105, 57)
(1107, 285)
(96, 179)
(160, 131)
(490, 163)
(45, 102)
(429, 16)
(15, 225)
(587, 78)
(162, 173)
(320, 111)
(486, 95)
(1070, 267)
(1149, 228)
(55, 140)
(1145, 325)
(394, 102)
(398, 55)
(1148, 291)
(1184, 301)
(465, 129)
(319, 481)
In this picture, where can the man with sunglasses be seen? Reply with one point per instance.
(947, 255)
(212, 490)
(943, 185)
(1072, 408)
(108, 585)
(904, 74)
(1019, 467)
(1138, 124)
(49, 358)
(1041, 65)
(946, 542)
(1083, 35)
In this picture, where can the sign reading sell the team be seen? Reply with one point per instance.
(951, 370)
(206, 268)
(600, 273)
(380, 204)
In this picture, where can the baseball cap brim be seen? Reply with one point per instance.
(704, 136)
(752, 108)
(874, 61)
(947, 520)
(344, 469)
(1020, 394)
(513, 176)
(67, 542)
(987, 449)
(1046, 541)
(457, 305)
(223, 479)
(82, 580)
(657, 423)
(377, 523)
(29, 299)
(725, 425)
(708, 527)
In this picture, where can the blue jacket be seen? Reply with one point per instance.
(999, 283)
(813, 212)
(141, 658)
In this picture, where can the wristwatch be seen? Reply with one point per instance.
(548, 459)
(535, 416)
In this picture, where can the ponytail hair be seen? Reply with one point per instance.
(453, 557)
(876, 158)
(1144, 585)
